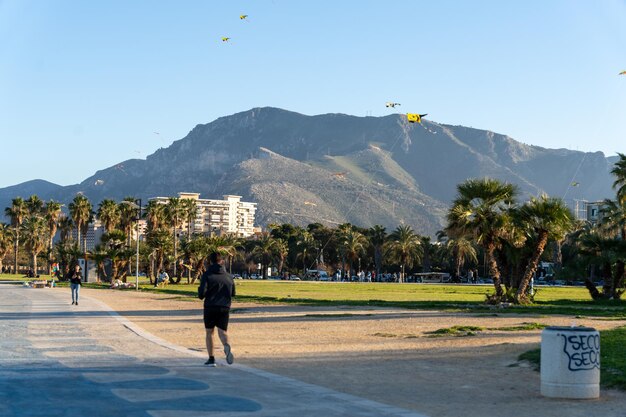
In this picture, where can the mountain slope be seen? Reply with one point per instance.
(364, 170)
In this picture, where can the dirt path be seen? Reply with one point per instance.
(382, 354)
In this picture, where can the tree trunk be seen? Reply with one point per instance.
(378, 259)
(458, 262)
(16, 250)
(493, 269)
(542, 241)
(618, 279)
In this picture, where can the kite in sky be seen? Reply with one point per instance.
(622, 73)
(225, 39)
(415, 118)
(243, 17)
(391, 104)
(575, 184)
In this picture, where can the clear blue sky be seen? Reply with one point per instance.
(84, 84)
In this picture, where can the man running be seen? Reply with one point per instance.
(216, 289)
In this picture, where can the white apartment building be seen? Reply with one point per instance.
(230, 215)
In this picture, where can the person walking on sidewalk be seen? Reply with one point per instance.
(76, 277)
(217, 289)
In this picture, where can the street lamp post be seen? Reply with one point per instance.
(138, 203)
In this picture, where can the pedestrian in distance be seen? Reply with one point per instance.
(217, 289)
(76, 278)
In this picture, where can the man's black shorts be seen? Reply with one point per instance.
(216, 317)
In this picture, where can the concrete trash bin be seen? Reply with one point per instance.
(570, 362)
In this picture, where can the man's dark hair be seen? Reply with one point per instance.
(215, 257)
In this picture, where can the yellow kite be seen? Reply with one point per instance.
(415, 118)
(225, 39)
(243, 16)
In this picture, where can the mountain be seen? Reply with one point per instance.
(336, 168)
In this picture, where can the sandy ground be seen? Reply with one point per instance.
(382, 354)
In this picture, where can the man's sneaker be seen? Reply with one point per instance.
(211, 362)
(229, 355)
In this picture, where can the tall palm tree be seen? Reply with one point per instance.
(6, 242)
(352, 244)
(65, 226)
(175, 214)
(161, 241)
(480, 211)
(619, 171)
(404, 246)
(35, 232)
(109, 214)
(378, 236)
(81, 212)
(156, 215)
(34, 205)
(306, 244)
(463, 250)
(265, 251)
(545, 218)
(190, 211)
(17, 212)
(128, 212)
(282, 251)
(52, 213)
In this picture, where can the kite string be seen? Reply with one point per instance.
(403, 134)
(607, 106)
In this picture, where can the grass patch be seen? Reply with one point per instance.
(456, 331)
(384, 335)
(332, 316)
(612, 360)
(521, 328)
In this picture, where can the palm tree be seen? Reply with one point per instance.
(161, 241)
(545, 218)
(190, 211)
(352, 244)
(114, 242)
(480, 211)
(52, 214)
(156, 215)
(81, 214)
(306, 244)
(17, 212)
(264, 251)
(619, 170)
(378, 236)
(34, 205)
(35, 232)
(99, 256)
(463, 250)
(282, 251)
(404, 247)
(6, 242)
(128, 212)
(65, 226)
(109, 214)
(175, 214)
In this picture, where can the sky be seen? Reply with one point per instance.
(85, 85)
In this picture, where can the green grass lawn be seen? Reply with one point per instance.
(549, 300)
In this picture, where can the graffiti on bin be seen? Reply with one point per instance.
(582, 350)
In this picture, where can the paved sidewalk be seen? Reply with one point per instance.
(62, 360)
